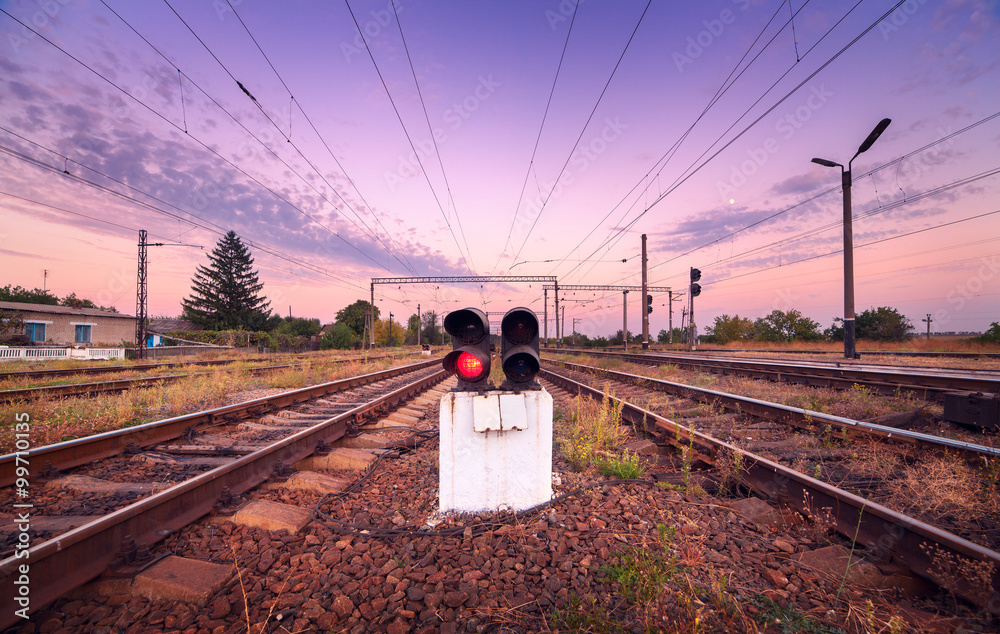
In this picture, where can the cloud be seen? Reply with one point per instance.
(801, 184)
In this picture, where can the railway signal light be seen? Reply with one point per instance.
(470, 356)
(649, 304)
(695, 276)
(519, 348)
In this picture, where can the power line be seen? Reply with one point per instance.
(467, 258)
(274, 154)
(177, 127)
(582, 131)
(430, 130)
(216, 230)
(669, 154)
(859, 246)
(830, 190)
(322, 140)
(538, 137)
(694, 169)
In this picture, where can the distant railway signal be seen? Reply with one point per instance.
(695, 276)
(470, 356)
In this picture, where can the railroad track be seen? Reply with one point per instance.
(221, 453)
(925, 383)
(896, 540)
(887, 353)
(67, 559)
(121, 385)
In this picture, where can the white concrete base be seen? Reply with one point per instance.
(507, 463)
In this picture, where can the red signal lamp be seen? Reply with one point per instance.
(469, 366)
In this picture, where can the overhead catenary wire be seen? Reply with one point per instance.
(880, 209)
(433, 137)
(897, 161)
(467, 254)
(179, 128)
(695, 166)
(202, 224)
(583, 130)
(861, 246)
(538, 137)
(322, 140)
(648, 177)
(264, 145)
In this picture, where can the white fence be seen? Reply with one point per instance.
(34, 353)
(9, 354)
(103, 353)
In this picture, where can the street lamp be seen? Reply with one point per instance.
(849, 331)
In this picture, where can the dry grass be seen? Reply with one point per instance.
(940, 488)
(57, 420)
(859, 402)
(592, 432)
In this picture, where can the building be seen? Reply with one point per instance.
(68, 326)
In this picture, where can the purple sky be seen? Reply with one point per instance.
(693, 123)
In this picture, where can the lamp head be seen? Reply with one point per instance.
(826, 163)
(875, 134)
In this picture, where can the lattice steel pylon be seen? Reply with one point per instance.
(140, 299)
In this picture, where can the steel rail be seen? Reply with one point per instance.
(892, 537)
(112, 369)
(118, 385)
(887, 353)
(798, 416)
(926, 385)
(80, 451)
(69, 560)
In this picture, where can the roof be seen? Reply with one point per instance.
(163, 326)
(60, 310)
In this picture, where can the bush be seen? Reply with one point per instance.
(339, 337)
(992, 335)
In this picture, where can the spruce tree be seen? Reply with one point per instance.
(226, 294)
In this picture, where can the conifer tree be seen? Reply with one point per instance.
(226, 293)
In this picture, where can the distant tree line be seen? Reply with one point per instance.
(11, 293)
(875, 324)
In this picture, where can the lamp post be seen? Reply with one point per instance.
(849, 331)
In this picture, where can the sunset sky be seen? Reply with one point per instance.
(349, 140)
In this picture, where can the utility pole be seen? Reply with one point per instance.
(418, 324)
(575, 319)
(625, 320)
(928, 320)
(562, 327)
(45, 279)
(670, 317)
(558, 338)
(388, 339)
(644, 309)
(545, 316)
